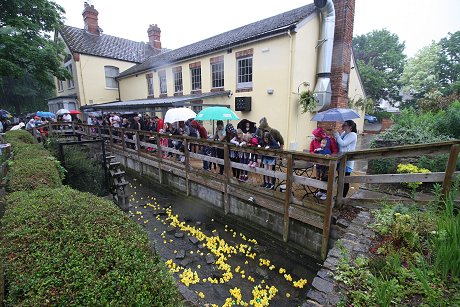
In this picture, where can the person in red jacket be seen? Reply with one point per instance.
(315, 145)
(320, 134)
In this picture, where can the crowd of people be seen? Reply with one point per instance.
(246, 134)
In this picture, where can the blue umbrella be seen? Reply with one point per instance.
(216, 113)
(335, 115)
(45, 114)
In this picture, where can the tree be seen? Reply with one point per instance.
(26, 48)
(380, 59)
(420, 76)
(448, 68)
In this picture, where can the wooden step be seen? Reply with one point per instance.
(113, 164)
(110, 157)
(121, 182)
(117, 173)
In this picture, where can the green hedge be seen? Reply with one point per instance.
(21, 136)
(34, 173)
(32, 166)
(64, 247)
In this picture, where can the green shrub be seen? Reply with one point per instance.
(382, 166)
(33, 173)
(447, 122)
(64, 247)
(19, 136)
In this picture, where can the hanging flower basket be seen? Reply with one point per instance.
(307, 100)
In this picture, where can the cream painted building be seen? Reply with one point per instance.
(258, 70)
(94, 60)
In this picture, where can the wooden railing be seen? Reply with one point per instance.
(146, 147)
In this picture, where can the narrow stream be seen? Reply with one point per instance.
(217, 261)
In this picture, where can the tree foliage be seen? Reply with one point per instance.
(27, 50)
(380, 59)
(420, 75)
(448, 67)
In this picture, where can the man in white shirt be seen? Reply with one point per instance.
(67, 117)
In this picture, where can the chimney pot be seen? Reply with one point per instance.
(154, 33)
(90, 19)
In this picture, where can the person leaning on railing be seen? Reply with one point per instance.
(347, 142)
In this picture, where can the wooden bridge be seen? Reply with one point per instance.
(294, 171)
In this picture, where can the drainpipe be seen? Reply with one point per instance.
(325, 46)
(292, 146)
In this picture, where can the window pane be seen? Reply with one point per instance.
(217, 71)
(150, 86)
(178, 87)
(110, 73)
(244, 73)
(163, 85)
(196, 78)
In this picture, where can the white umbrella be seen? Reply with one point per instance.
(178, 114)
(62, 111)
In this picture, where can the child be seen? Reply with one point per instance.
(238, 156)
(268, 142)
(322, 170)
(251, 141)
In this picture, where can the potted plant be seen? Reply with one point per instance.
(307, 100)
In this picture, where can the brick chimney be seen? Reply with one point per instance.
(154, 36)
(341, 56)
(90, 19)
(343, 35)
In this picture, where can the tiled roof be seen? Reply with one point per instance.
(107, 46)
(143, 104)
(256, 30)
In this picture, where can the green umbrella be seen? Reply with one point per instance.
(216, 113)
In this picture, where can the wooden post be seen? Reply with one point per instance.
(341, 179)
(159, 156)
(111, 138)
(186, 166)
(287, 196)
(227, 176)
(450, 169)
(328, 210)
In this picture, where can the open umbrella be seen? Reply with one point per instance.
(73, 112)
(5, 114)
(178, 114)
(62, 111)
(216, 113)
(335, 115)
(45, 114)
(242, 125)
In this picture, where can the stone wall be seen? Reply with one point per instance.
(325, 291)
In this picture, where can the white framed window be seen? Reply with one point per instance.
(178, 85)
(163, 84)
(196, 78)
(217, 74)
(149, 78)
(111, 72)
(244, 66)
(70, 82)
(60, 84)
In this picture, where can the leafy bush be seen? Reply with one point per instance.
(416, 258)
(19, 136)
(382, 114)
(411, 169)
(64, 247)
(382, 166)
(33, 173)
(447, 122)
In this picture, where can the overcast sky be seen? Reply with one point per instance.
(182, 22)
